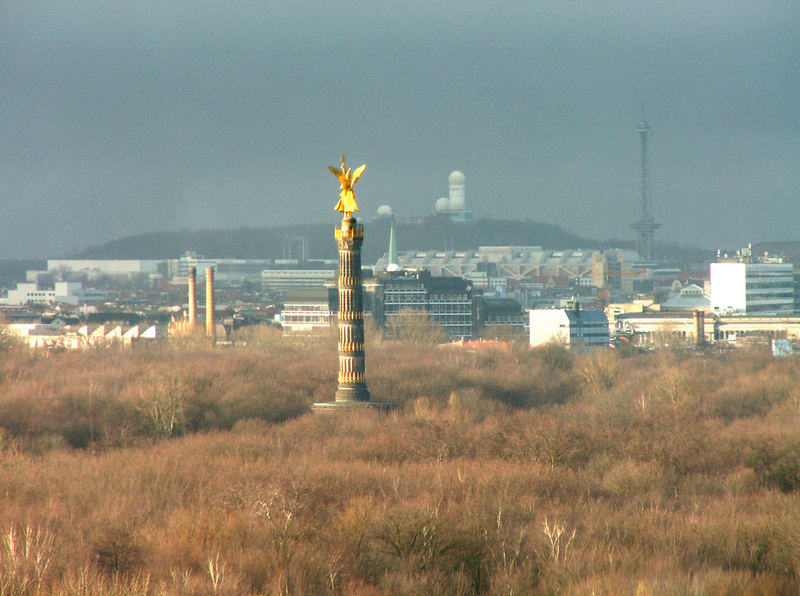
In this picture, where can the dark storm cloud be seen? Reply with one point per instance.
(119, 118)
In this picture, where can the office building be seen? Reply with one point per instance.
(574, 328)
(752, 288)
(448, 300)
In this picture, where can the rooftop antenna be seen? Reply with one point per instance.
(645, 226)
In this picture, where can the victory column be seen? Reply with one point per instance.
(352, 390)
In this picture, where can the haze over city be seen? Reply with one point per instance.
(124, 118)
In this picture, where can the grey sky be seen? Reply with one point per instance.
(121, 117)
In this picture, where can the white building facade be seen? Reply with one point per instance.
(104, 266)
(581, 329)
(752, 288)
(277, 280)
(63, 292)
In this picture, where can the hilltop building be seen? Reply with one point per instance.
(454, 206)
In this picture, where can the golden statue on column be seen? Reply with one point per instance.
(347, 179)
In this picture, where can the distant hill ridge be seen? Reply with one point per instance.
(788, 249)
(268, 242)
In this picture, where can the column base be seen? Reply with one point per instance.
(352, 392)
(349, 397)
(329, 407)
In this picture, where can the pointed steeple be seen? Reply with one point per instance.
(391, 257)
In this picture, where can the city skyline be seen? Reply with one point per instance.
(122, 119)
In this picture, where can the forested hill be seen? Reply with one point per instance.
(264, 243)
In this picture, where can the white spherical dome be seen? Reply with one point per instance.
(456, 177)
(384, 211)
(442, 204)
(457, 203)
(392, 267)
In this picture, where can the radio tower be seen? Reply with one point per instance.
(645, 226)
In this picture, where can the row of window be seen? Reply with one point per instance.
(751, 274)
(305, 308)
(788, 296)
(449, 308)
(775, 287)
(393, 308)
(296, 320)
(769, 308)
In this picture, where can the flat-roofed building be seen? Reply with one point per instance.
(514, 262)
(574, 328)
(63, 292)
(104, 266)
(501, 312)
(669, 328)
(179, 268)
(448, 300)
(57, 335)
(752, 288)
(661, 328)
(280, 280)
(227, 272)
(309, 310)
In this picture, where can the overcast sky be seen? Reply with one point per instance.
(124, 117)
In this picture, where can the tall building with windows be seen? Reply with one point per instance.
(448, 300)
(752, 288)
(192, 259)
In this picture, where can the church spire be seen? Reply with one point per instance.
(392, 256)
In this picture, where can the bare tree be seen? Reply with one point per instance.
(416, 326)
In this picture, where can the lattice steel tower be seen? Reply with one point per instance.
(645, 226)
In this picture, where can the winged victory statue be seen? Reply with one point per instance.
(347, 179)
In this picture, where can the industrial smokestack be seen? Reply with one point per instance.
(210, 329)
(192, 297)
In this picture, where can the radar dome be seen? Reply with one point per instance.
(456, 177)
(457, 201)
(442, 204)
(384, 211)
(392, 267)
